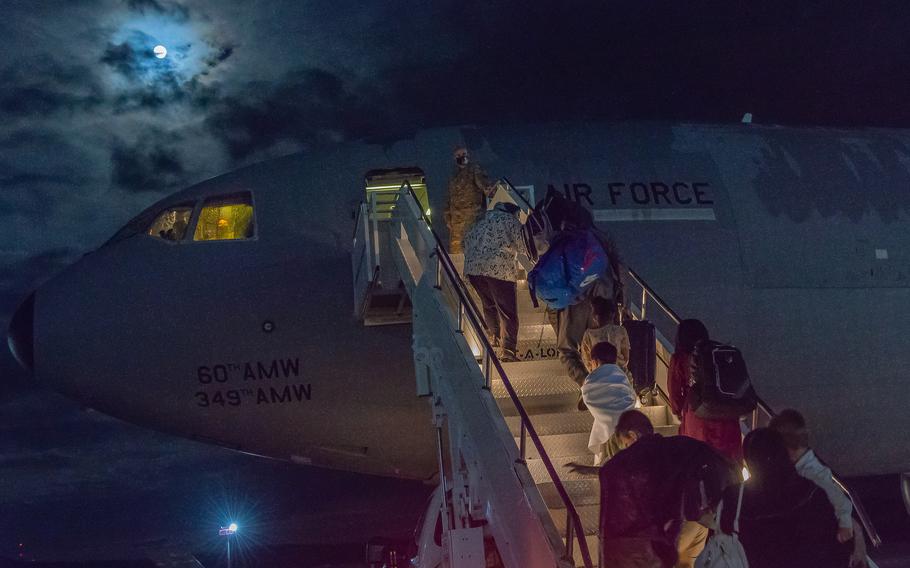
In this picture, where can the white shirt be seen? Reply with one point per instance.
(809, 467)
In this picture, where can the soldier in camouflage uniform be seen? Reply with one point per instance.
(467, 191)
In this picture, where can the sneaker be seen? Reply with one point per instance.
(508, 357)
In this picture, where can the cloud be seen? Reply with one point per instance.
(150, 83)
(151, 163)
(221, 55)
(41, 86)
(174, 10)
(16, 179)
(135, 60)
(126, 60)
(20, 168)
(40, 166)
(308, 106)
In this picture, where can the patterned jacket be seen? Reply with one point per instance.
(492, 245)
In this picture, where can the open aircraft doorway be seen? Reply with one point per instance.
(379, 295)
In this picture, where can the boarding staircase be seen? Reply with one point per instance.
(512, 427)
(550, 398)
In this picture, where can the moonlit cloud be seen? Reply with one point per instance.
(246, 81)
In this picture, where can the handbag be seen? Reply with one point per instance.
(724, 550)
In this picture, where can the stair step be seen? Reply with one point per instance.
(538, 331)
(584, 491)
(541, 386)
(559, 445)
(555, 423)
(542, 369)
(526, 305)
(531, 315)
(657, 414)
(539, 472)
(533, 350)
(668, 430)
(574, 422)
(562, 456)
(589, 515)
(536, 341)
(593, 547)
(553, 401)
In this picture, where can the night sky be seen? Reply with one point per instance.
(94, 127)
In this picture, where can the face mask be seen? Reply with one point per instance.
(461, 160)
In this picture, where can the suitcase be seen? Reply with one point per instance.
(642, 353)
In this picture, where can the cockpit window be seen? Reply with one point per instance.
(171, 224)
(226, 218)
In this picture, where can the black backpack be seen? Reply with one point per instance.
(722, 388)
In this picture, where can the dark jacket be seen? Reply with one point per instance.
(788, 526)
(657, 480)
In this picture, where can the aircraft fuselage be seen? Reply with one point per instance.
(789, 243)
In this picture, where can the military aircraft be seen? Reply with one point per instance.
(223, 312)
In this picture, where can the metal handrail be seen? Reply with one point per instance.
(489, 356)
(657, 299)
(357, 220)
(648, 292)
(370, 285)
(764, 407)
(361, 263)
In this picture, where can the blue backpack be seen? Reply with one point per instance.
(574, 261)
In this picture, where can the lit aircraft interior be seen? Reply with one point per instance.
(223, 313)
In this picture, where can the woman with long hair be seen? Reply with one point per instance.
(786, 520)
(722, 435)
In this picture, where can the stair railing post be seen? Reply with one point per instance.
(523, 442)
(438, 285)
(570, 535)
(375, 218)
(367, 241)
(644, 301)
(487, 364)
(438, 418)
(460, 315)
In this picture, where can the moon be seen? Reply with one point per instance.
(160, 51)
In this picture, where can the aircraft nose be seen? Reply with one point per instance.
(22, 334)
